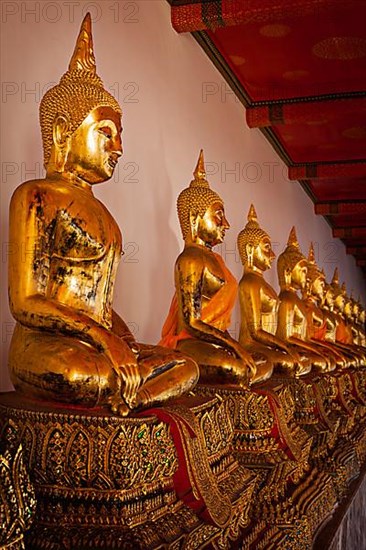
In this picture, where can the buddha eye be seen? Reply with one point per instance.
(106, 131)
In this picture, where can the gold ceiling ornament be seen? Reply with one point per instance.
(317, 122)
(276, 30)
(238, 60)
(295, 74)
(343, 48)
(355, 132)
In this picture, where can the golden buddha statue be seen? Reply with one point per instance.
(259, 302)
(292, 314)
(350, 308)
(343, 334)
(356, 325)
(313, 296)
(352, 311)
(339, 293)
(331, 323)
(69, 345)
(361, 325)
(206, 292)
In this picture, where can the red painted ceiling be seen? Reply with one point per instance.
(304, 55)
(299, 67)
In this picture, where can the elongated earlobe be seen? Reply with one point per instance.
(250, 254)
(193, 222)
(61, 138)
(288, 273)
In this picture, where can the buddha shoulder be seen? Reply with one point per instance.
(44, 191)
(250, 279)
(198, 259)
(76, 224)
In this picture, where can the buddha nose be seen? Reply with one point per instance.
(117, 146)
(225, 223)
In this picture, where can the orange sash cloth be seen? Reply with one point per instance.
(320, 332)
(216, 313)
(342, 334)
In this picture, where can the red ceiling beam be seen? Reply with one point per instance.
(298, 112)
(361, 263)
(356, 250)
(349, 232)
(335, 208)
(192, 15)
(315, 170)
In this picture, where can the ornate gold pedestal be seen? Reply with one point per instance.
(292, 520)
(331, 419)
(17, 499)
(262, 436)
(294, 498)
(106, 482)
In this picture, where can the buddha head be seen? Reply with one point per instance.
(355, 308)
(339, 292)
(316, 277)
(254, 245)
(362, 316)
(80, 120)
(292, 265)
(329, 297)
(348, 306)
(201, 211)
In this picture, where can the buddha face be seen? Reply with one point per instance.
(299, 274)
(339, 302)
(348, 309)
(355, 309)
(212, 226)
(362, 316)
(329, 297)
(318, 287)
(95, 146)
(263, 254)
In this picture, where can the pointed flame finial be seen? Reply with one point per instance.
(83, 58)
(311, 255)
(292, 239)
(200, 173)
(252, 214)
(335, 280)
(79, 91)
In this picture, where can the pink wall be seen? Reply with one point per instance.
(174, 103)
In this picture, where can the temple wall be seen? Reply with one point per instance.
(350, 534)
(174, 103)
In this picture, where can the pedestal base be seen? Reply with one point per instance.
(107, 482)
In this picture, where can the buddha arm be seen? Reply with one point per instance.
(29, 302)
(189, 276)
(285, 325)
(120, 328)
(250, 302)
